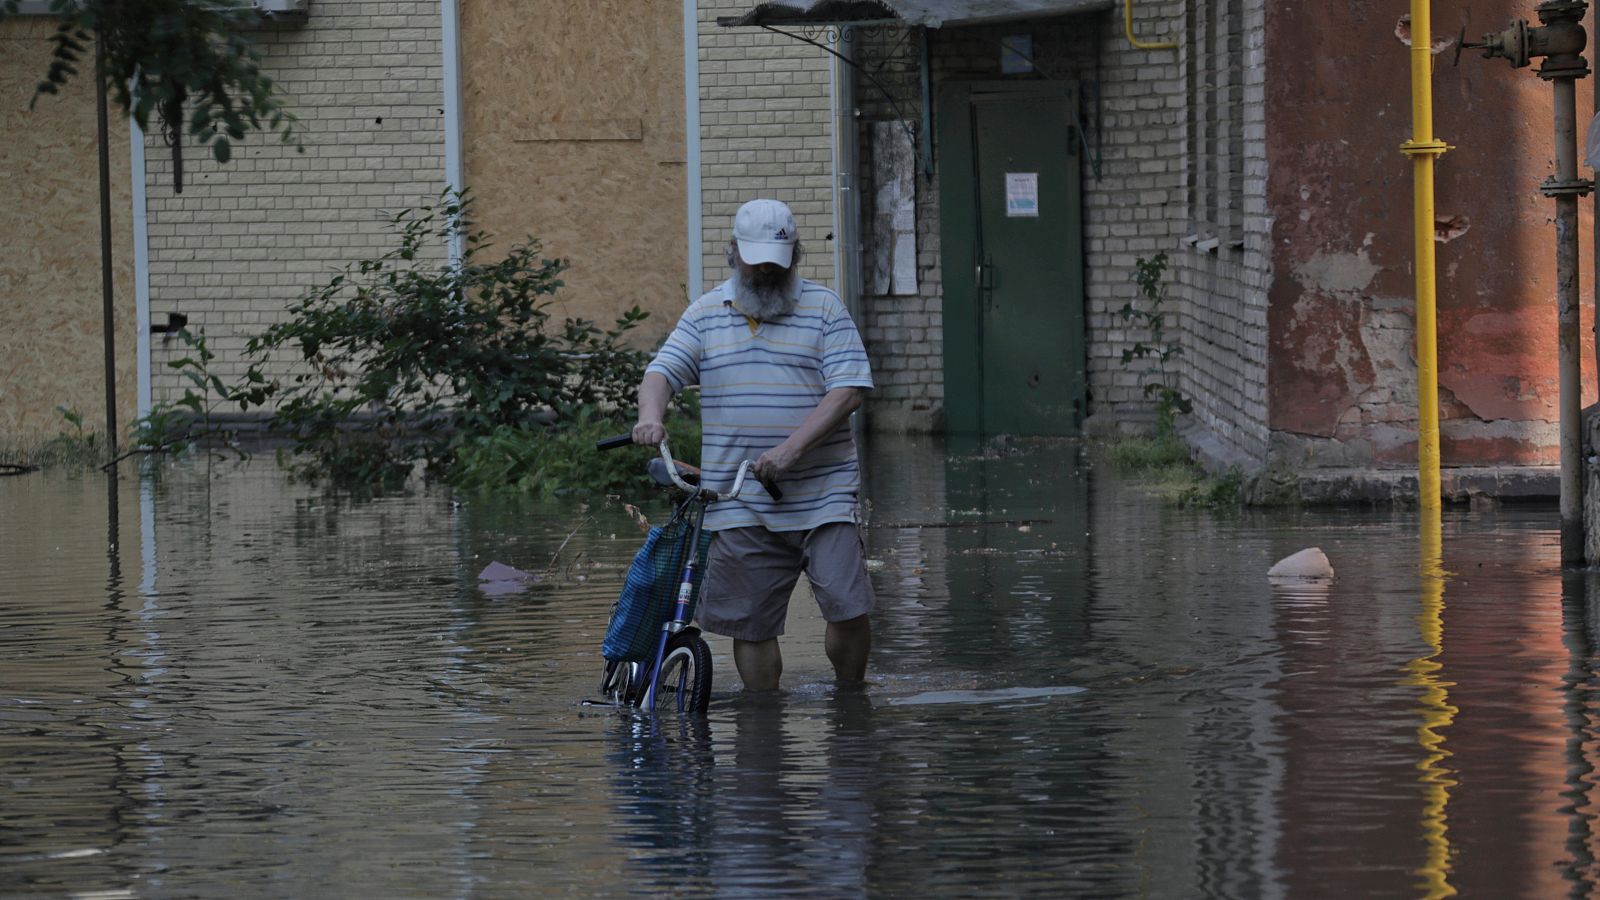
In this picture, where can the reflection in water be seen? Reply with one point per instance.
(1580, 592)
(1437, 713)
(302, 694)
(767, 796)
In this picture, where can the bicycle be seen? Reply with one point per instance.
(681, 663)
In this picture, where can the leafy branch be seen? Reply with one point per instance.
(1154, 378)
(165, 56)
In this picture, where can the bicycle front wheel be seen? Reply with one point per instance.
(683, 685)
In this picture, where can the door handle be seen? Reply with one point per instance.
(985, 278)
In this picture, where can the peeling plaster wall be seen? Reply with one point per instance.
(51, 344)
(1342, 368)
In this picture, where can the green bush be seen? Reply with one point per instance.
(1214, 492)
(77, 449)
(401, 363)
(1154, 378)
(1137, 453)
(563, 459)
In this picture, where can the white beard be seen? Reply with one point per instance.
(764, 302)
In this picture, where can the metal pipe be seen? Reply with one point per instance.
(1560, 40)
(106, 294)
(925, 67)
(847, 204)
(846, 200)
(695, 230)
(1568, 335)
(1127, 25)
(141, 271)
(454, 164)
(1422, 148)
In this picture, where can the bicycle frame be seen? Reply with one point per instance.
(680, 610)
(697, 499)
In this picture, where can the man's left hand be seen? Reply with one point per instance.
(775, 462)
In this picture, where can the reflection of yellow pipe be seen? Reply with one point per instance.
(1127, 24)
(1437, 714)
(1422, 148)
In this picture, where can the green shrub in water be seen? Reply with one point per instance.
(563, 459)
(1139, 453)
(400, 363)
(1154, 379)
(1214, 491)
(77, 449)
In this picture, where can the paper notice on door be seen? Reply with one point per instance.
(1022, 195)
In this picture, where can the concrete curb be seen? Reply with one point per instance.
(1465, 484)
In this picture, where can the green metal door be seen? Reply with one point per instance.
(1013, 259)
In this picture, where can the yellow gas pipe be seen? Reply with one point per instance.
(1438, 714)
(1422, 148)
(1127, 24)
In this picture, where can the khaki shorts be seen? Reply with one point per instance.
(750, 573)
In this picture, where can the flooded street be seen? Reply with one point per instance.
(216, 682)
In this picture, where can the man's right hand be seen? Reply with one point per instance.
(649, 434)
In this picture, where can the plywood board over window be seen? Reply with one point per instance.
(51, 317)
(574, 134)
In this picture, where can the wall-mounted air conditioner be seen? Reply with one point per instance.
(287, 12)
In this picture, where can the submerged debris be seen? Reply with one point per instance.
(1310, 564)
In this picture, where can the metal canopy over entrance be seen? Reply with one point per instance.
(924, 13)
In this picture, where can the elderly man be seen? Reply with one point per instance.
(780, 368)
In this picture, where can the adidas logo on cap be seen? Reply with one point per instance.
(766, 232)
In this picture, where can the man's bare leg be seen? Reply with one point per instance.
(760, 663)
(848, 644)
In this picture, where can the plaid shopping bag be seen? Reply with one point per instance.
(650, 591)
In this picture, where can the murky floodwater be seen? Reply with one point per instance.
(225, 684)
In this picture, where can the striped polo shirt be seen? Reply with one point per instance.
(758, 382)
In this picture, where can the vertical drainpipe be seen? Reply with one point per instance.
(847, 206)
(1569, 345)
(1423, 148)
(846, 199)
(691, 134)
(141, 267)
(107, 292)
(1560, 40)
(454, 176)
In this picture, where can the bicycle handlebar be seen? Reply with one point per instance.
(612, 443)
(623, 440)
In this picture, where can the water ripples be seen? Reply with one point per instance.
(258, 689)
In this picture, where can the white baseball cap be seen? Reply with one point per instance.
(765, 232)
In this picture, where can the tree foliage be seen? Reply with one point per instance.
(178, 62)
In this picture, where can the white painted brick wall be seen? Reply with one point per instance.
(1223, 293)
(244, 240)
(765, 131)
